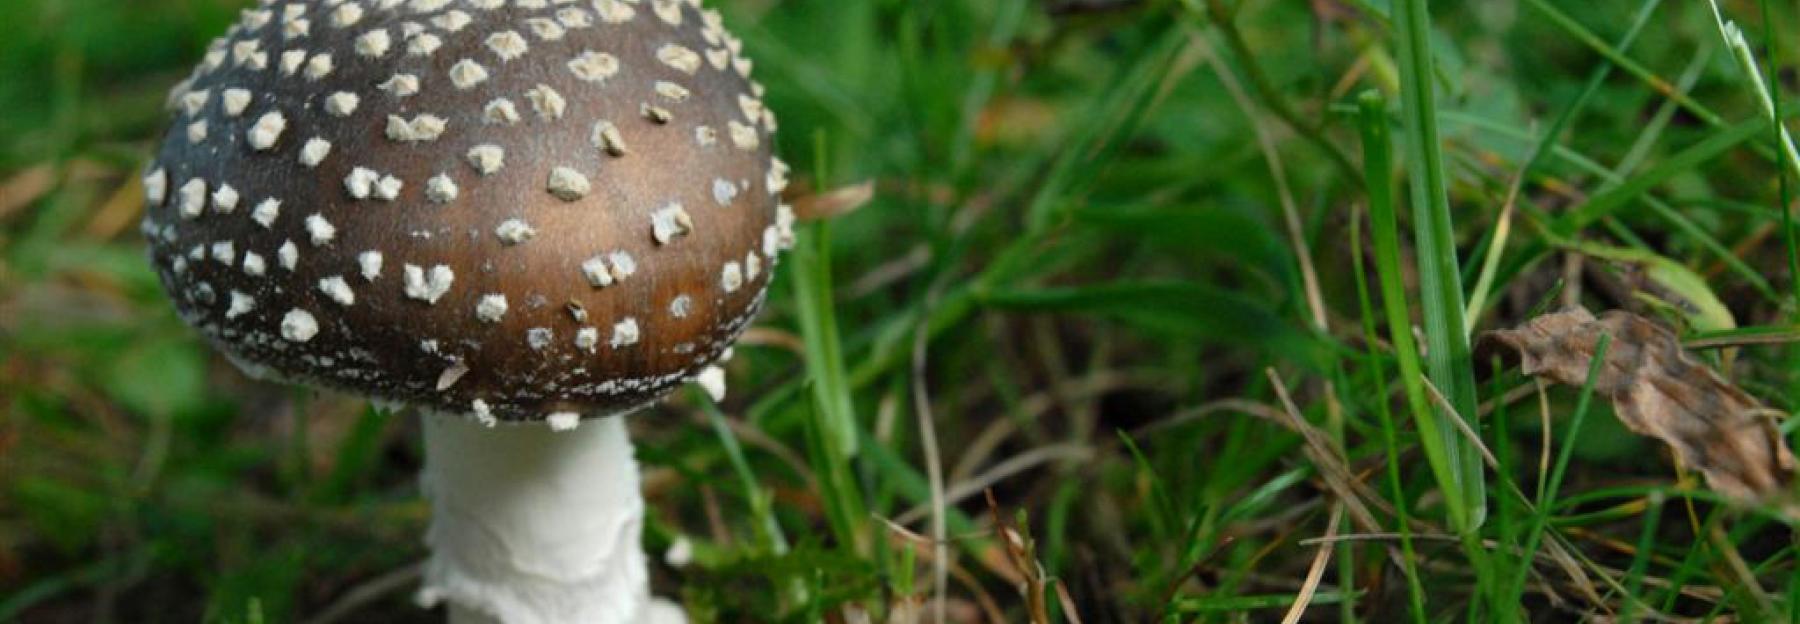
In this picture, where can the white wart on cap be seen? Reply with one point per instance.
(408, 133)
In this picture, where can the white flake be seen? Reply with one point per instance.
(319, 230)
(568, 184)
(539, 338)
(655, 114)
(291, 30)
(192, 198)
(388, 188)
(288, 255)
(751, 107)
(264, 213)
(507, 45)
(705, 136)
(299, 326)
(784, 225)
(500, 112)
(361, 182)
(594, 269)
(742, 136)
(314, 152)
(594, 66)
(671, 91)
(607, 138)
(242, 51)
(235, 101)
(719, 58)
(625, 333)
(425, 127)
(225, 199)
(400, 85)
(587, 338)
(254, 20)
(574, 18)
(545, 29)
(467, 73)
(483, 414)
(370, 264)
(777, 179)
(682, 59)
(194, 101)
(423, 44)
(669, 222)
(724, 191)
(681, 306)
(319, 66)
(428, 286)
(668, 10)
(732, 277)
(224, 252)
(451, 20)
(346, 15)
(614, 11)
(156, 187)
(254, 265)
(622, 265)
(267, 130)
(338, 290)
(514, 231)
(546, 101)
(241, 304)
(341, 104)
(374, 44)
(196, 132)
(440, 189)
(487, 159)
(491, 308)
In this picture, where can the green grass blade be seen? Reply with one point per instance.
(834, 413)
(1415, 589)
(1547, 497)
(1385, 229)
(1440, 280)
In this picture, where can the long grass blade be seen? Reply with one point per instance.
(1440, 279)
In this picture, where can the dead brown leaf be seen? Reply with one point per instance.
(835, 202)
(1661, 391)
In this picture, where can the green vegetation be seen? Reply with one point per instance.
(1185, 284)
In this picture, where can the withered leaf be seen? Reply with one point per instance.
(1661, 391)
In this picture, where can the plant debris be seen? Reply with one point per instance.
(1661, 391)
(835, 202)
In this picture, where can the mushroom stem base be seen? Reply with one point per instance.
(534, 526)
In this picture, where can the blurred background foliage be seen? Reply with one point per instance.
(1070, 202)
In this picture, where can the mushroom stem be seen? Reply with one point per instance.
(531, 525)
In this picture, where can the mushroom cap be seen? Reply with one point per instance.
(504, 208)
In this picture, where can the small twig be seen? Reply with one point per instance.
(934, 471)
(999, 472)
(367, 592)
(1316, 572)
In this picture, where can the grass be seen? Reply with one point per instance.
(1109, 239)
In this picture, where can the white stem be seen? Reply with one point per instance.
(534, 526)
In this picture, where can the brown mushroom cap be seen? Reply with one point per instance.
(510, 208)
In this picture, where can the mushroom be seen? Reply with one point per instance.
(521, 219)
